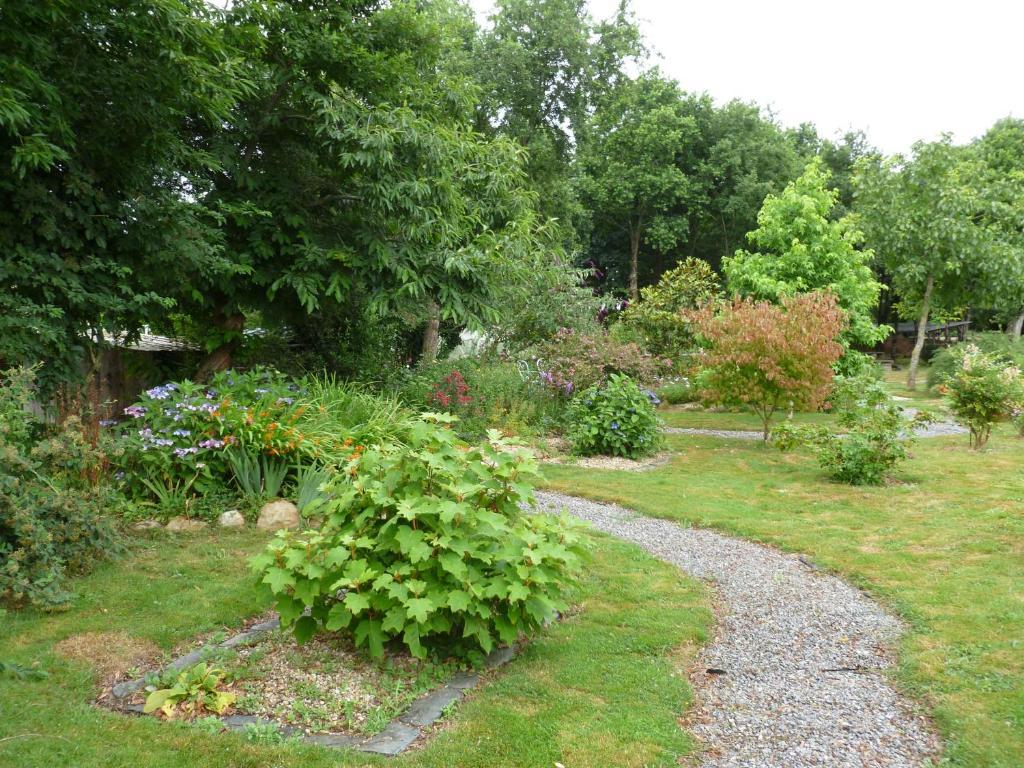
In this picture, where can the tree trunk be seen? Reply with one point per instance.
(1014, 327)
(634, 258)
(922, 328)
(432, 334)
(230, 326)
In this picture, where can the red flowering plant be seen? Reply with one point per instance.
(451, 393)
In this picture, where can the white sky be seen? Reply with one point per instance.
(900, 70)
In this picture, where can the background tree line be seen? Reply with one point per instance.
(374, 176)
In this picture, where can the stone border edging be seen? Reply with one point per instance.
(396, 737)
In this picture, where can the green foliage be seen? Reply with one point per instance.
(99, 112)
(574, 361)
(678, 391)
(543, 66)
(769, 356)
(946, 361)
(426, 543)
(247, 430)
(616, 418)
(195, 690)
(872, 436)
(485, 393)
(629, 177)
(657, 320)
(919, 214)
(799, 249)
(55, 511)
(984, 389)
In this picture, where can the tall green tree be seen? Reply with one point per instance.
(632, 179)
(1000, 165)
(742, 157)
(797, 248)
(919, 215)
(544, 65)
(98, 102)
(352, 164)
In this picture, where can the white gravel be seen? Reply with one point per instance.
(800, 657)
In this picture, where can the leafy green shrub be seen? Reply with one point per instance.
(656, 320)
(872, 439)
(426, 543)
(945, 362)
(574, 361)
(55, 511)
(983, 390)
(616, 418)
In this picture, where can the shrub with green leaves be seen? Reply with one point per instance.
(55, 510)
(947, 361)
(984, 390)
(614, 419)
(426, 543)
(872, 438)
(656, 319)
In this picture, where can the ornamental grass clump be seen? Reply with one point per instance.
(614, 419)
(983, 390)
(426, 544)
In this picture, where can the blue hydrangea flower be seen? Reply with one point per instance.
(615, 425)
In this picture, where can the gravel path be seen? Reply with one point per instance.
(795, 676)
(936, 429)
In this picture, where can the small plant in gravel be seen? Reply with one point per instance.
(426, 543)
(982, 391)
(195, 690)
(614, 419)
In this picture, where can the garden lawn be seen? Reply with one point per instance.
(944, 548)
(605, 686)
(673, 416)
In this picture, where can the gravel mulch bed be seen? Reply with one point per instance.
(796, 676)
(325, 685)
(613, 462)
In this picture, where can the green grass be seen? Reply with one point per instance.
(603, 687)
(944, 548)
(674, 416)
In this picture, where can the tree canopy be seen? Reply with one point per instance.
(798, 248)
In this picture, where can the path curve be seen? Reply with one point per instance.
(795, 676)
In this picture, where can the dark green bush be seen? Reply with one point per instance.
(55, 510)
(616, 418)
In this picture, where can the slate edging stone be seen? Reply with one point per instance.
(396, 737)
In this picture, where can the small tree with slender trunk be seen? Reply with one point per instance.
(768, 356)
(919, 214)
